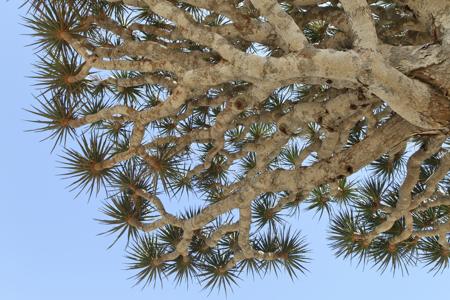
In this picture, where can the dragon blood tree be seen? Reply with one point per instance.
(254, 108)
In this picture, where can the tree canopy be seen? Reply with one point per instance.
(255, 109)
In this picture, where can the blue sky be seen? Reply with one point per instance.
(49, 246)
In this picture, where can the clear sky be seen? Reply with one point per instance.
(49, 248)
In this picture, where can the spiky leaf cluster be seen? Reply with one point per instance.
(349, 230)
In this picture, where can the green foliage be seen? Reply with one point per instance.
(290, 155)
(288, 249)
(434, 255)
(346, 231)
(199, 249)
(319, 200)
(49, 26)
(183, 269)
(127, 95)
(122, 211)
(358, 133)
(347, 240)
(259, 131)
(54, 114)
(389, 166)
(129, 176)
(144, 256)
(165, 168)
(425, 220)
(394, 256)
(214, 273)
(81, 165)
(316, 31)
(292, 252)
(170, 236)
(54, 74)
(248, 162)
(346, 193)
(371, 195)
(263, 212)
